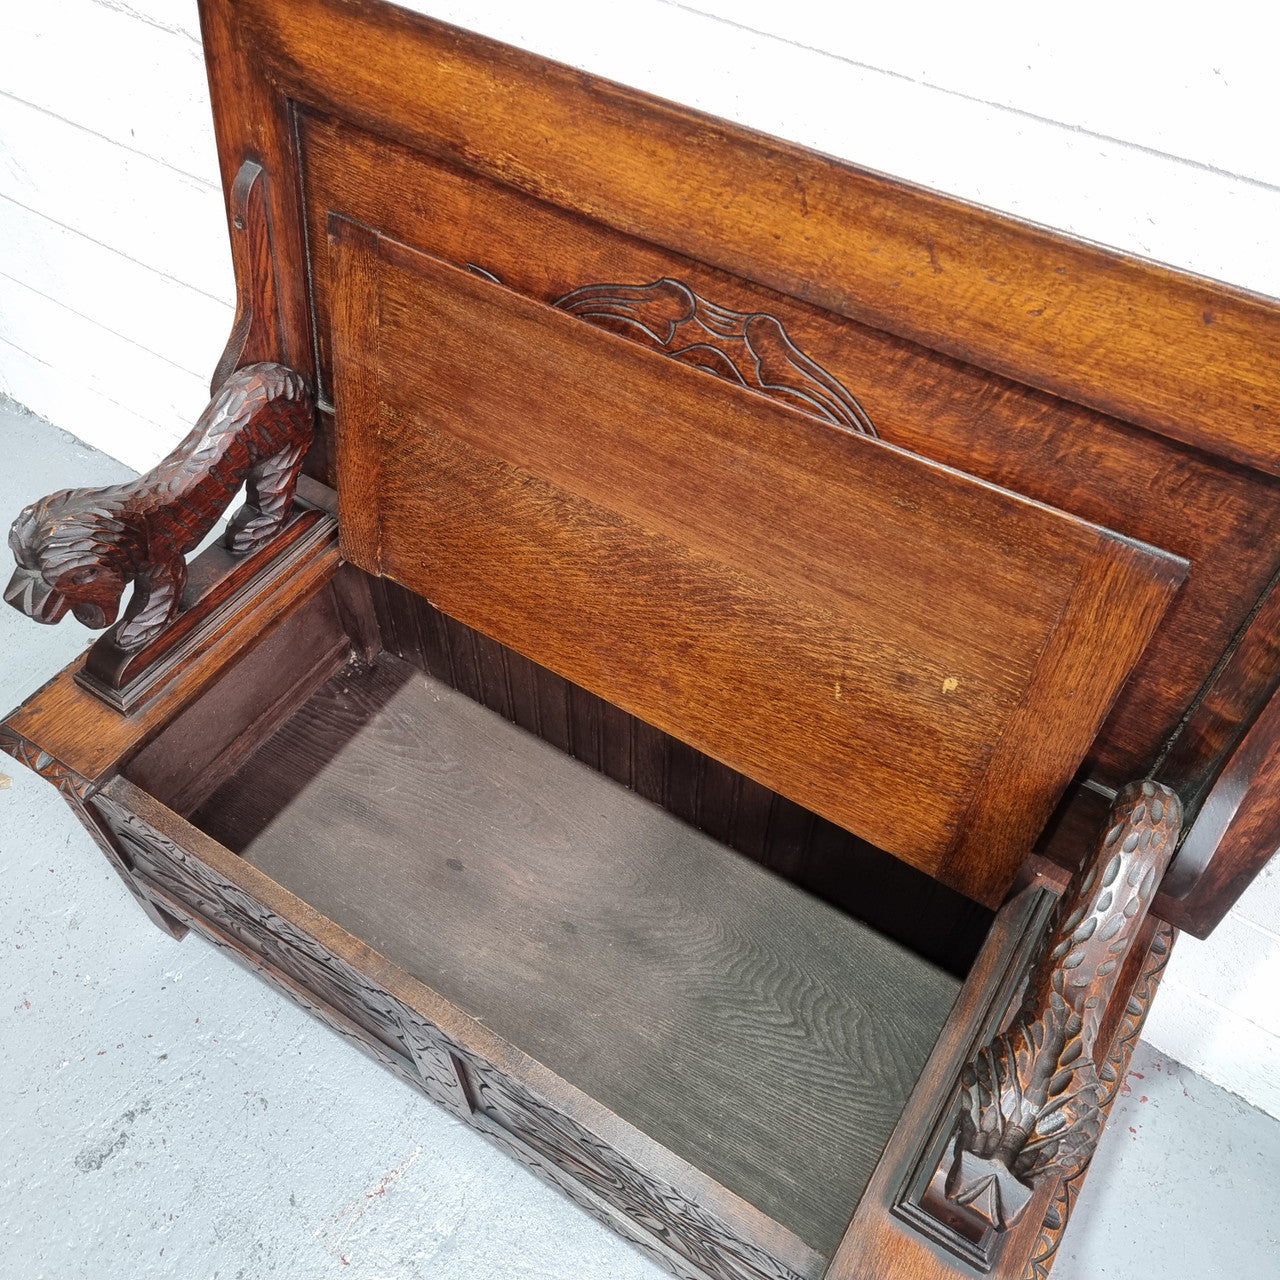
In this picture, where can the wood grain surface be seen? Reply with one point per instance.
(1130, 394)
(802, 604)
(672, 1209)
(881, 1244)
(1210, 511)
(766, 1038)
(899, 901)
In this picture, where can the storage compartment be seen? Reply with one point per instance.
(702, 1051)
(763, 1036)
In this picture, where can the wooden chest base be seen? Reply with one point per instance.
(733, 1029)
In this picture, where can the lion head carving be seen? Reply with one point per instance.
(72, 555)
(78, 549)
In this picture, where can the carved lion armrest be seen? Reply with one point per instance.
(78, 549)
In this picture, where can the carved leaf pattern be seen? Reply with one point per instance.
(255, 927)
(1113, 1076)
(1032, 1099)
(700, 1238)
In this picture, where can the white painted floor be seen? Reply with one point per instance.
(166, 1114)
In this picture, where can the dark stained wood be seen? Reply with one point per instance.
(215, 590)
(255, 331)
(538, 893)
(675, 1205)
(879, 1243)
(1222, 763)
(1234, 835)
(1232, 699)
(353, 595)
(1121, 1031)
(202, 745)
(935, 922)
(538, 477)
(254, 123)
(917, 639)
(90, 739)
(76, 791)
(77, 550)
(882, 1243)
(1171, 352)
(1030, 1106)
(1145, 486)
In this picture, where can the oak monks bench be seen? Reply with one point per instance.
(731, 670)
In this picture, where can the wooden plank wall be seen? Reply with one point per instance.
(116, 292)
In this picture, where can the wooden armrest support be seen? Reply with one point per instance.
(1032, 1098)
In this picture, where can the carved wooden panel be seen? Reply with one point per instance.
(258, 930)
(534, 478)
(601, 1210)
(749, 348)
(300, 964)
(682, 1226)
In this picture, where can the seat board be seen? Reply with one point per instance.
(851, 625)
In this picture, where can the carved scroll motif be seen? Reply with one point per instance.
(1032, 1100)
(78, 549)
(749, 348)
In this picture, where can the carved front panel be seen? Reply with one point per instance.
(684, 1227)
(677, 1232)
(262, 933)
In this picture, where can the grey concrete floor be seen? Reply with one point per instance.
(166, 1114)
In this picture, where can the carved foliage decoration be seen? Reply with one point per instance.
(253, 926)
(685, 1229)
(1113, 1076)
(749, 348)
(78, 549)
(1032, 1099)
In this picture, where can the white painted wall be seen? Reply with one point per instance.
(1121, 123)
